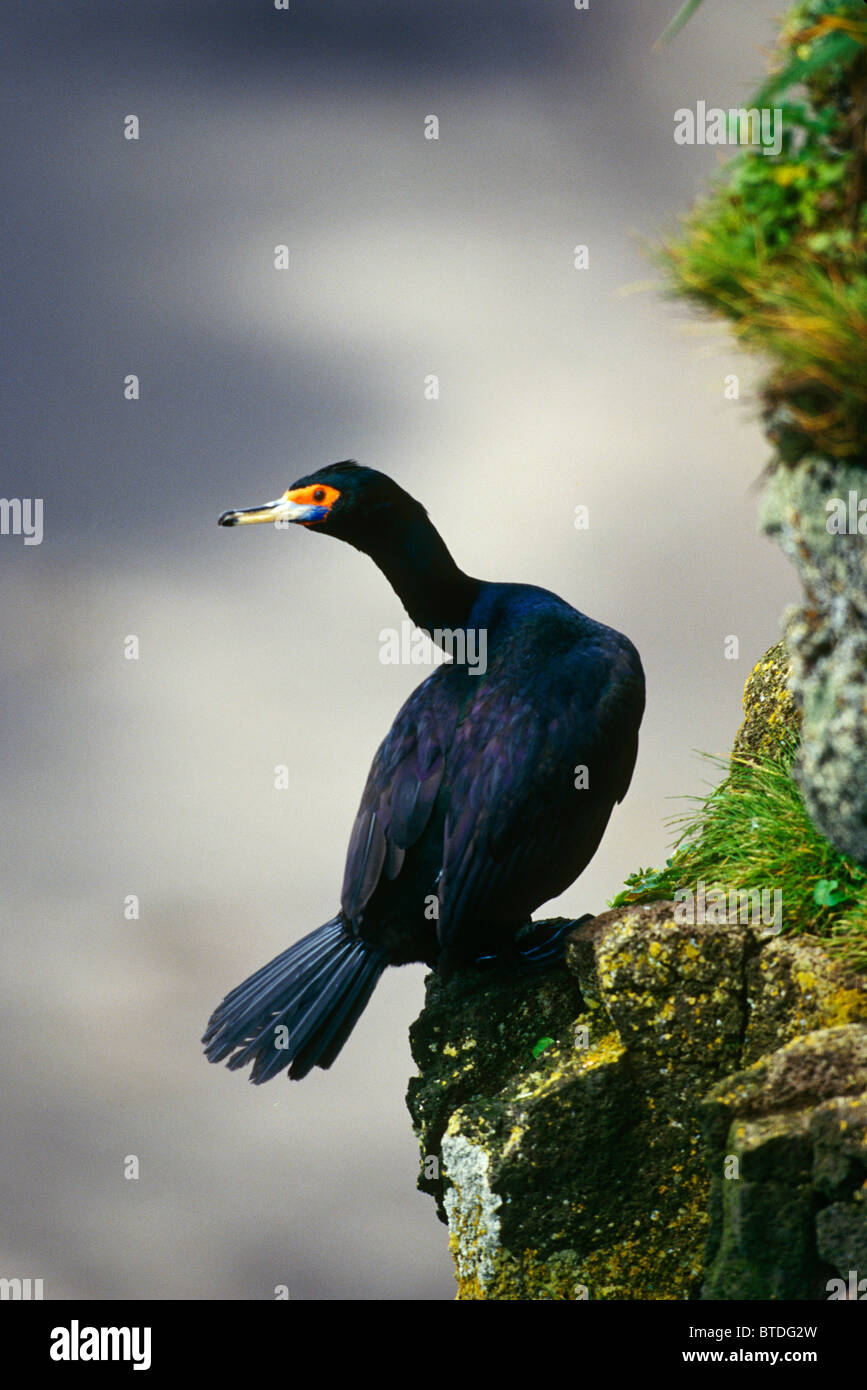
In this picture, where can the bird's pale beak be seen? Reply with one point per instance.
(283, 509)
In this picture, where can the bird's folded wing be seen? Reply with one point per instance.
(399, 796)
(504, 757)
(514, 776)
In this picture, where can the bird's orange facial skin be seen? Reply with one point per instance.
(315, 495)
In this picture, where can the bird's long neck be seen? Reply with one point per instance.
(417, 564)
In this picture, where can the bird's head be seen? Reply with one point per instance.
(342, 500)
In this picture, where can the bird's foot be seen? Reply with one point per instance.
(536, 947)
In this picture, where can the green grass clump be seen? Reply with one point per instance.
(779, 246)
(752, 831)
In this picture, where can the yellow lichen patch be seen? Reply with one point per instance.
(527, 1277)
(657, 1264)
(798, 989)
(568, 1067)
(662, 1261)
(770, 715)
(842, 1005)
(514, 1139)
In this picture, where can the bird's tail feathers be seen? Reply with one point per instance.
(299, 1009)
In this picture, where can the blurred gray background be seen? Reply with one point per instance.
(155, 777)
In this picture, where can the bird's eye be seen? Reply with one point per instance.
(319, 495)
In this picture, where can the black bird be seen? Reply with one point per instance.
(476, 808)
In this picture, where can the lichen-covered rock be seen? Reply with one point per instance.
(472, 1036)
(570, 1138)
(772, 720)
(813, 512)
(677, 1001)
(794, 987)
(777, 1133)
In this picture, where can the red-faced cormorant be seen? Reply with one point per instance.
(476, 809)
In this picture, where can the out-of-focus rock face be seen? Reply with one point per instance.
(591, 1132)
(814, 513)
(787, 1140)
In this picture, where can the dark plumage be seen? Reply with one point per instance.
(471, 816)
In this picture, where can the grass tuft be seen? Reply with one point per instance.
(752, 831)
(779, 246)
